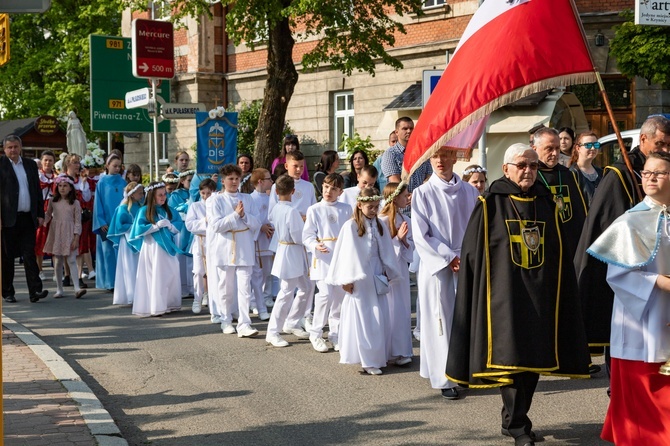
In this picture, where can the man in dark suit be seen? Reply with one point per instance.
(22, 213)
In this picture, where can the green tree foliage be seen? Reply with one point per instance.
(354, 36)
(642, 50)
(48, 72)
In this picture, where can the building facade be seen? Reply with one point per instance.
(327, 105)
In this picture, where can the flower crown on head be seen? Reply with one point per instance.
(397, 191)
(169, 180)
(133, 190)
(154, 186)
(368, 199)
(63, 178)
(187, 173)
(474, 170)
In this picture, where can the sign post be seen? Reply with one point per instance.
(153, 58)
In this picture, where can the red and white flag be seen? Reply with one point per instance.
(510, 49)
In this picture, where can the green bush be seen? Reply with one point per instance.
(350, 145)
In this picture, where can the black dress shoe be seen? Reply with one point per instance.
(10, 299)
(39, 295)
(82, 284)
(594, 368)
(67, 281)
(450, 394)
(533, 436)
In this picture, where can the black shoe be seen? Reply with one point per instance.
(10, 299)
(532, 435)
(450, 394)
(82, 284)
(67, 281)
(524, 440)
(593, 369)
(39, 295)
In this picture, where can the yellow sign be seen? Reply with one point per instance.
(117, 104)
(114, 44)
(4, 39)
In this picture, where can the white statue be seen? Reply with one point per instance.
(76, 138)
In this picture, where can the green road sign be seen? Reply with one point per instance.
(111, 78)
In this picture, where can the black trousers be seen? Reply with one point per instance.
(19, 240)
(517, 399)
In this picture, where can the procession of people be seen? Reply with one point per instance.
(516, 279)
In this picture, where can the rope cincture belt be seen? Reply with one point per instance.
(232, 260)
(320, 240)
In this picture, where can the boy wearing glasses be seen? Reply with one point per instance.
(563, 186)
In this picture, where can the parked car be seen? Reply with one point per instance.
(609, 146)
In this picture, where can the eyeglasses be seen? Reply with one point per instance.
(524, 165)
(656, 173)
(591, 145)
(267, 179)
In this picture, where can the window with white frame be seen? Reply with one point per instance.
(343, 115)
(427, 4)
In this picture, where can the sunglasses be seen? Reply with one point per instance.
(523, 166)
(591, 145)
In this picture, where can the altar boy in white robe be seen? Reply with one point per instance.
(290, 266)
(261, 278)
(233, 219)
(196, 224)
(323, 224)
(366, 179)
(441, 208)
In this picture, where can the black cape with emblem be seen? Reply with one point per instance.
(516, 308)
(563, 183)
(615, 194)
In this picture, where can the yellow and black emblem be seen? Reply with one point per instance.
(563, 202)
(526, 243)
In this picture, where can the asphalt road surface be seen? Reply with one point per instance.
(177, 380)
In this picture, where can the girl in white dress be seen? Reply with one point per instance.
(398, 301)
(363, 256)
(64, 214)
(119, 231)
(158, 285)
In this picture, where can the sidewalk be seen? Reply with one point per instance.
(45, 401)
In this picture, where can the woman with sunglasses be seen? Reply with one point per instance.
(586, 149)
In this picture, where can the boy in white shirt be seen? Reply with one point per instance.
(366, 179)
(234, 221)
(261, 284)
(196, 223)
(322, 226)
(290, 266)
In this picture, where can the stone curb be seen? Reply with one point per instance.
(98, 420)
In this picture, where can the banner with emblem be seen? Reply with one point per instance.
(216, 139)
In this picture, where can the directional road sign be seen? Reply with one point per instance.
(181, 111)
(153, 49)
(111, 78)
(138, 98)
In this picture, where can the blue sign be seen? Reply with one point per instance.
(216, 138)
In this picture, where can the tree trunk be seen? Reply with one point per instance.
(282, 77)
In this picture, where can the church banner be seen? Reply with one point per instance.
(216, 136)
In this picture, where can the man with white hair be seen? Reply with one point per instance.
(516, 313)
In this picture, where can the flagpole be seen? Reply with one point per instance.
(608, 106)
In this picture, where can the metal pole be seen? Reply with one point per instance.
(109, 143)
(151, 158)
(482, 139)
(155, 118)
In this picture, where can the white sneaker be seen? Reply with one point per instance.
(336, 346)
(254, 311)
(276, 341)
(43, 276)
(403, 360)
(246, 331)
(297, 332)
(319, 344)
(417, 335)
(372, 370)
(205, 299)
(84, 276)
(307, 323)
(91, 275)
(227, 328)
(196, 307)
(264, 316)
(269, 302)
(215, 319)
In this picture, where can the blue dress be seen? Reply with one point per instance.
(108, 196)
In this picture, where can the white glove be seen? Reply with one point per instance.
(172, 229)
(163, 223)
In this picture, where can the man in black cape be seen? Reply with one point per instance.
(516, 314)
(616, 193)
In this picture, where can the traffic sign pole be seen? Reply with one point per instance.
(153, 95)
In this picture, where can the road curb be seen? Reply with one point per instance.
(98, 420)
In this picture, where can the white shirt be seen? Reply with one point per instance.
(290, 260)
(24, 189)
(303, 197)
(323, 224)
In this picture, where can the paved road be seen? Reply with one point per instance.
(177, 380)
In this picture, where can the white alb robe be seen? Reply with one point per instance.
(303, 197)
(440, 214)
(196, 223)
